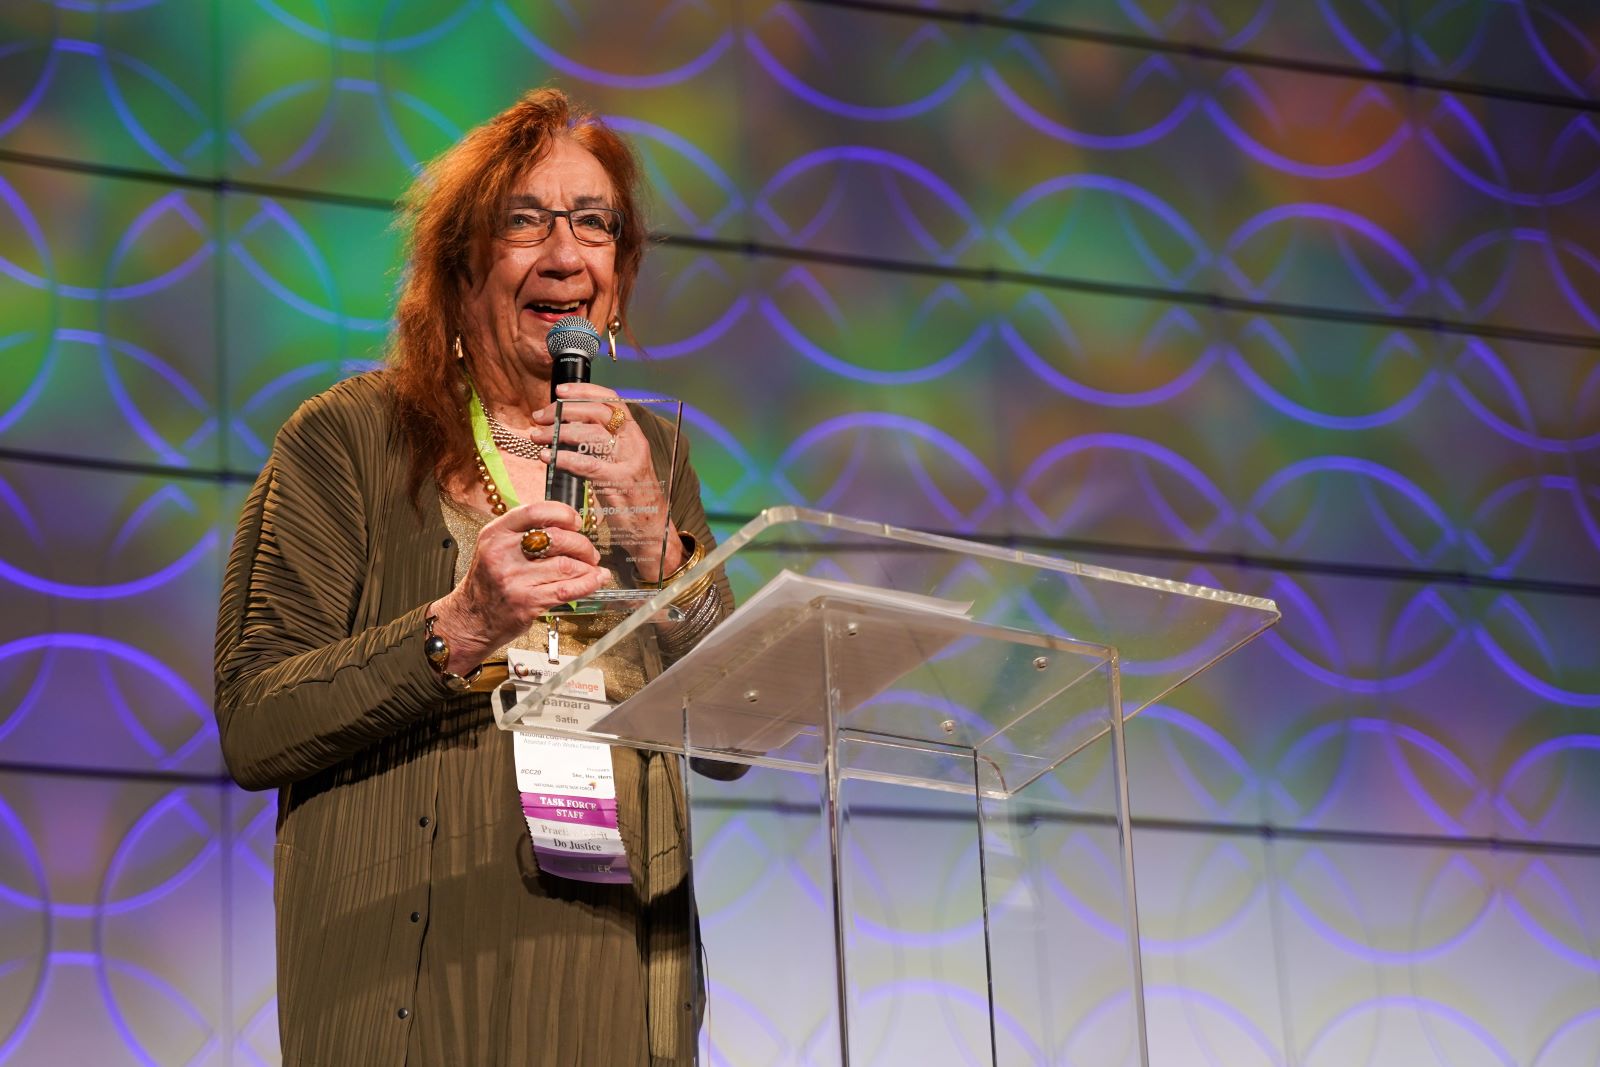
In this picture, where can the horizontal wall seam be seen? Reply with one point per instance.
(1265, 831)
(1193, 50)
(1028, 542)
(1215, 301)
(883, 265)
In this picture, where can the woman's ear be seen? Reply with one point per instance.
(469, 281)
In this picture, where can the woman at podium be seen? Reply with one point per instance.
(396, 544)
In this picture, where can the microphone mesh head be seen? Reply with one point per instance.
(573, 334)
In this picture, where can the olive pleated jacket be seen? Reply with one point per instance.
(413, 925)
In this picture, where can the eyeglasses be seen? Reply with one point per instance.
(590, 225)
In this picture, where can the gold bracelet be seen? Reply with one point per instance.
(692, 554)
(696, 554)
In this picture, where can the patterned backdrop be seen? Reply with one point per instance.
(1301, 299)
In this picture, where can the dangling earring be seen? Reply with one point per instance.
(611, 338)
(461, 357)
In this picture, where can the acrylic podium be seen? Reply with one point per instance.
(894, 671)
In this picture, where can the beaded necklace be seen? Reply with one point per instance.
(491, 471)
(511, 441)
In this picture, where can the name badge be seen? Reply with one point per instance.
(578, 704)
(569, 794)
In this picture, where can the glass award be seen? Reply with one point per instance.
(626, 487)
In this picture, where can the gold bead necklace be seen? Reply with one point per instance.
(497, 506)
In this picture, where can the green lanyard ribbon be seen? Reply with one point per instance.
(483, 441)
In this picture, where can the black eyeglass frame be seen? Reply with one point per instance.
(612, 235)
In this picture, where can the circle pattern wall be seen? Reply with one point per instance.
(1301, 300)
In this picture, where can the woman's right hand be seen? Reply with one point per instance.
(504, 592)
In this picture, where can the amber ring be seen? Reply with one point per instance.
(535, 543)
(619, 415)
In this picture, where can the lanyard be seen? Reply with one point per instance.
(483, 441)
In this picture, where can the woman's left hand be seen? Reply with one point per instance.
(601, 442)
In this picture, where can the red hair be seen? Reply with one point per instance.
(450, 215)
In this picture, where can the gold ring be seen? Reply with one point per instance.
(535, 543)
(619, 415)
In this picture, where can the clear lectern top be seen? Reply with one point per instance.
(925, 652)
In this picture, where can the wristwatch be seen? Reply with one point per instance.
(437, 649)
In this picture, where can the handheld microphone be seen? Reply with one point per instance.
(573, 344)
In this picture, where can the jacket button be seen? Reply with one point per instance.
(416, 916)
(424, 822)
(404, 1013)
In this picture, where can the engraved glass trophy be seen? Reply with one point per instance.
(623, 457)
